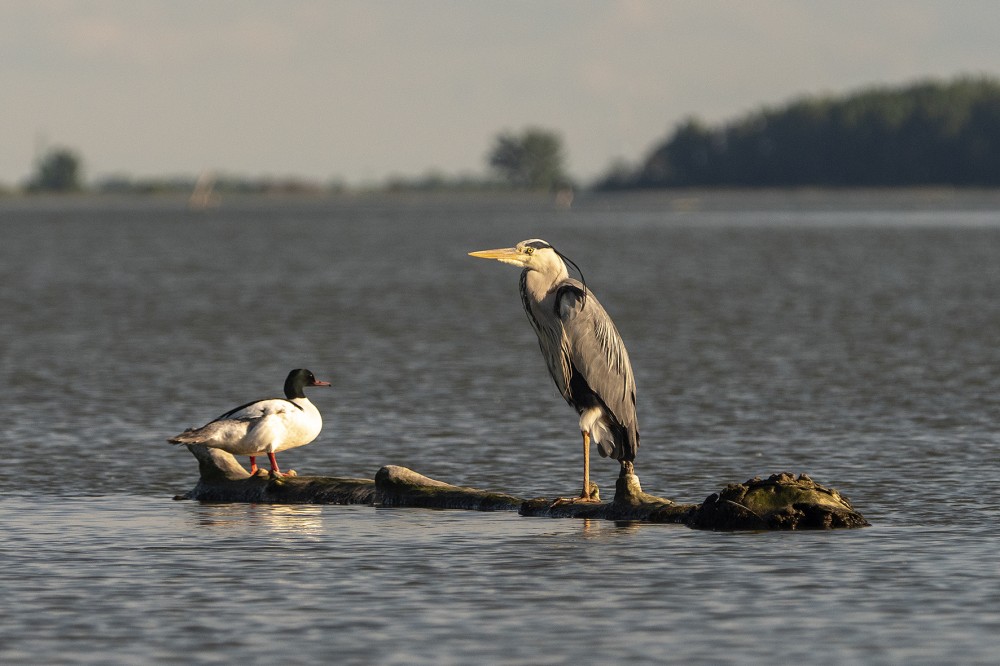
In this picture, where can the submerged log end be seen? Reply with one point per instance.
(780, 502)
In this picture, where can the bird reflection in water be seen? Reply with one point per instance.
(300, 519)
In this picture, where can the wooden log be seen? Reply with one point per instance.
(223, 479)
(781, 502)
(399, 486)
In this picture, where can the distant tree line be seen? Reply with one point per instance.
(930, 133)
(532, 159)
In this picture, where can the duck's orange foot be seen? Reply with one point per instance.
(277, 474)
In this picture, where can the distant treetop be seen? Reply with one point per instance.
(928, 133)
(532, 159)
(56, 171)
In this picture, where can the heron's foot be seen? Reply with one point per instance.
(563, 501)
(261, 472)
(591, 497)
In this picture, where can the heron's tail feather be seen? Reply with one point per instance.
(630, 444)
(613, 439)
(620, 443)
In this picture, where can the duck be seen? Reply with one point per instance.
(263, 426)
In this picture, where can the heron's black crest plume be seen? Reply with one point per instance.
(573, 264)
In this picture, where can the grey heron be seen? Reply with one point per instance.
(583, 350)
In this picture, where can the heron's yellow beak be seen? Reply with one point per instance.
(499, 253)
(508, 255)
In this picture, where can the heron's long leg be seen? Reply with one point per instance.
(253, 465)
(274, 464)
(586, 495)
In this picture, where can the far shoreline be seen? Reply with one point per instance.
(680, 200)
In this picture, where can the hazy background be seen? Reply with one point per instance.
(359, 90)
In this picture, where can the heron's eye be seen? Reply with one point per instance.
(529, 250)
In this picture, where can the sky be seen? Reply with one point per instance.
(358, 91)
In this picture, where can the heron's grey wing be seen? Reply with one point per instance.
(558, 360)
(548, 327)
(595, 349)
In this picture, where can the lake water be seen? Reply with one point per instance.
(851, 336)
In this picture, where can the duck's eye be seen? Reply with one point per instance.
(529, 250)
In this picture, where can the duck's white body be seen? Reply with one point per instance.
(263, 427)
(259, 428)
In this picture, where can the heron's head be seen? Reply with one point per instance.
(533, 254)
(537, 255)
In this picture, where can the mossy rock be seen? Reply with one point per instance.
(780, 502)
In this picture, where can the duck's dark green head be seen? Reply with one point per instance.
(297, 381)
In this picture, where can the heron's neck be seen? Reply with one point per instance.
(539, 282)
